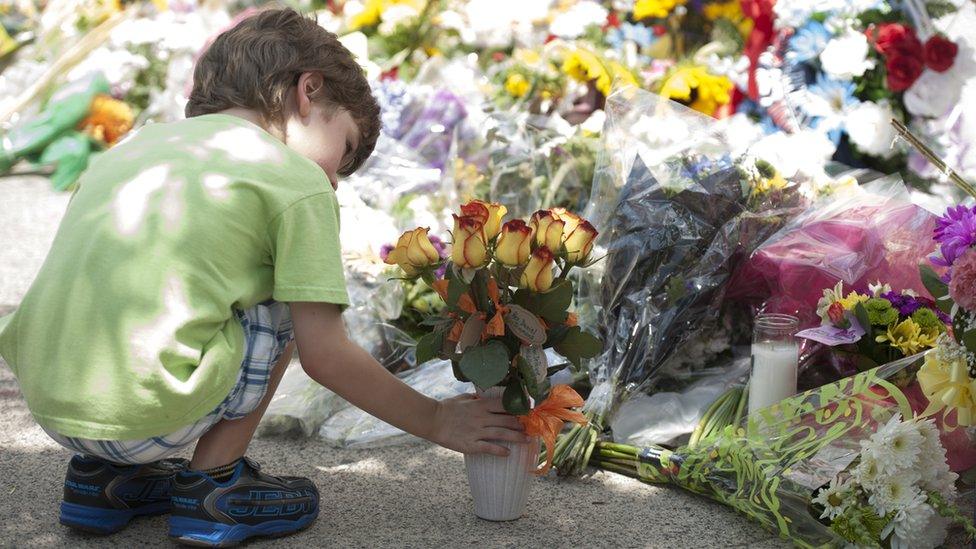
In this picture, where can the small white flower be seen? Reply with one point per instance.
(846, 56)
(895, 446)
(877, 289)
(835, 498)
(867, 473)
(918, 526)
(869, 127)
(893, 493)
(396, 15)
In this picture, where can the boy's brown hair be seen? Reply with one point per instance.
(255, 63)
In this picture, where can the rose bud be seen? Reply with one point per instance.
(515, 243)
(469, 250)
(493, 219)
(413, 252)
(537, 275)
(548, 229)
(579, 243)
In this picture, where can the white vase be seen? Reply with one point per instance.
(500, 485)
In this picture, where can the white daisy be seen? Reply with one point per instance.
(893, 494)
(867, 473)
(835, 498)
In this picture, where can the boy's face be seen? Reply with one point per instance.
(328, 138)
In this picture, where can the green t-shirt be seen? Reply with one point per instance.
(129, 329)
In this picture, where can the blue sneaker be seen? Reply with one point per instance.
(101, 498)
(250, 503)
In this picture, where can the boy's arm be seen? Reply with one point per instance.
(462, 423)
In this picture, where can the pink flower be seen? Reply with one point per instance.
(962, 287)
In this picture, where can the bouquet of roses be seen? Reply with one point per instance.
(504, 305)
(877, 327)
(824, 468)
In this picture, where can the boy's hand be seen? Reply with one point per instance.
(467, 424)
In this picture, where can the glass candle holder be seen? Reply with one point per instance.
(775, 357)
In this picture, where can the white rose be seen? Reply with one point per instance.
(933, 94)
(396, 15)
(869, 127)
(846, 56)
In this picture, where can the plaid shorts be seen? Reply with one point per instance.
(267, 331)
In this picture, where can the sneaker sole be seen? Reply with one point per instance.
(96, 520)
(201, 533)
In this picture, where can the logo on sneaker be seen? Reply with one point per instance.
(83, 489)
(271, 503)
(185, 503)
(147, 490)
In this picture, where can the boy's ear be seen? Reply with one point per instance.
(308, 88)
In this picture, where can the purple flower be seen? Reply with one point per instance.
(438, 245)
(906, 305)
(385, 251)
(955, 232)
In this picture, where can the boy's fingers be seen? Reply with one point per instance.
(497, 433)
(491, 449)
(506, 421)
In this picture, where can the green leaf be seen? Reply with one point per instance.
(485, 365)
(429, 346)
(578, 345)
(528, 377)
(939, 8)
(458, 373)
(551, 305)
(455, 287)
(864, 320)
(933, 283)
(514, 399)
(556, 334)
(969, 339)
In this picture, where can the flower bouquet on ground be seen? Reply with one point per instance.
(825, 468)
(504, 305)
(681, 217)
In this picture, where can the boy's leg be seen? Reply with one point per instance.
(227, 441)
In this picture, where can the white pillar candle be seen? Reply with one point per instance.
(773, 373)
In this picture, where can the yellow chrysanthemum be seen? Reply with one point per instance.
(526, 56)
(644, 9)
(585, 66)
(108, 119)
(710, 91)
(949, 388)
(516, 85)
(908, 337)
(767, 184)
(852, 300)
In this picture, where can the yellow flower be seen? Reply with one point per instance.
(489, 213)
(644, 9)
(516, 85)
(583, 65)
(907, 337)
(526, 56)
(537, 275)
(469, 249)
(515, 243)
(369, 16)
(852, 300)
(548, 229)
(108, 119)
(949, 388)
(413, 252)
(710, 90)
(579, 243)
(766, 184)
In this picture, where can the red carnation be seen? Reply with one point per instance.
(836, 315)
(903, 71)
(940, 53)
(895, 38)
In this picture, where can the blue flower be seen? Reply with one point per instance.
(637, 33)
(808, 42)
(828, 102)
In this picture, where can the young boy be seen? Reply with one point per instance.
(163, 314)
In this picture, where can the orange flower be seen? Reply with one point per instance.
(491, 212)
(548, 229)
(414, 252)
(495, 326)
(537, 275)
(579, 243)
(469, 249)
(515, 243)
(547, 419)
(108, 119)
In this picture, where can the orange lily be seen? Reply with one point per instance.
(547, 419)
